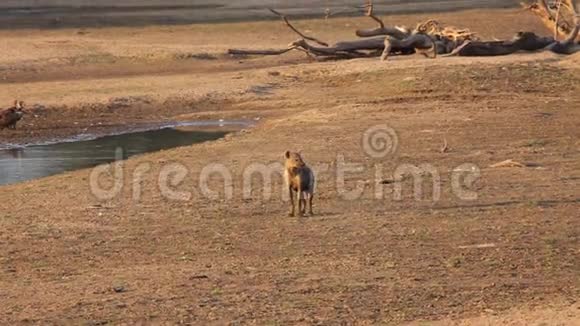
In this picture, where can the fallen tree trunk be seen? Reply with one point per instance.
(422, 43)
(346, 50)
(396, 32)
(484, 49)
(526, 41)
(522, 41)
(260, 52)
(377, 43)
(429, 38)
(569, 45)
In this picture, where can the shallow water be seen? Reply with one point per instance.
(27, 163)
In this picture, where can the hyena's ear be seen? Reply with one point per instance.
(16, 104)
(20, 105)
(287, 154)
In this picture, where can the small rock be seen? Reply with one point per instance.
(119, 289)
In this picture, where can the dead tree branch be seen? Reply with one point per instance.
(435, 28)
(347, 50)
(285, 19)
(370, 13)
(559, 7)
(260, 52)
(422, 43)
(571, 44)
(432, 38)
(562, 18)
(397, 32)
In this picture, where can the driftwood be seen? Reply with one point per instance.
(350, 50)
(525, 41)
(397, 31)
(260, 52)
(431, 38)
(484, 49)
(571, 44)
(285, 19)
(422, 43)
(436, 29)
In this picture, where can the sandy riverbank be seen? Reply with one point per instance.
(510, 255)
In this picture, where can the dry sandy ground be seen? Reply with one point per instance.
(511, 256)
(89, 70)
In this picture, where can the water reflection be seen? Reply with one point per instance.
(20, 164)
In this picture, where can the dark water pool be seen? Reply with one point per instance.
(27, 163)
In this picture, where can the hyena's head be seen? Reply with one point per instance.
(294, 159)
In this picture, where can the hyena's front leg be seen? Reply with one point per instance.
(291, 214)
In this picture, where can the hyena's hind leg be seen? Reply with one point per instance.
(310, 198)
(301, 203)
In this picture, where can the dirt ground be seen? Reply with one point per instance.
(510, 256)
